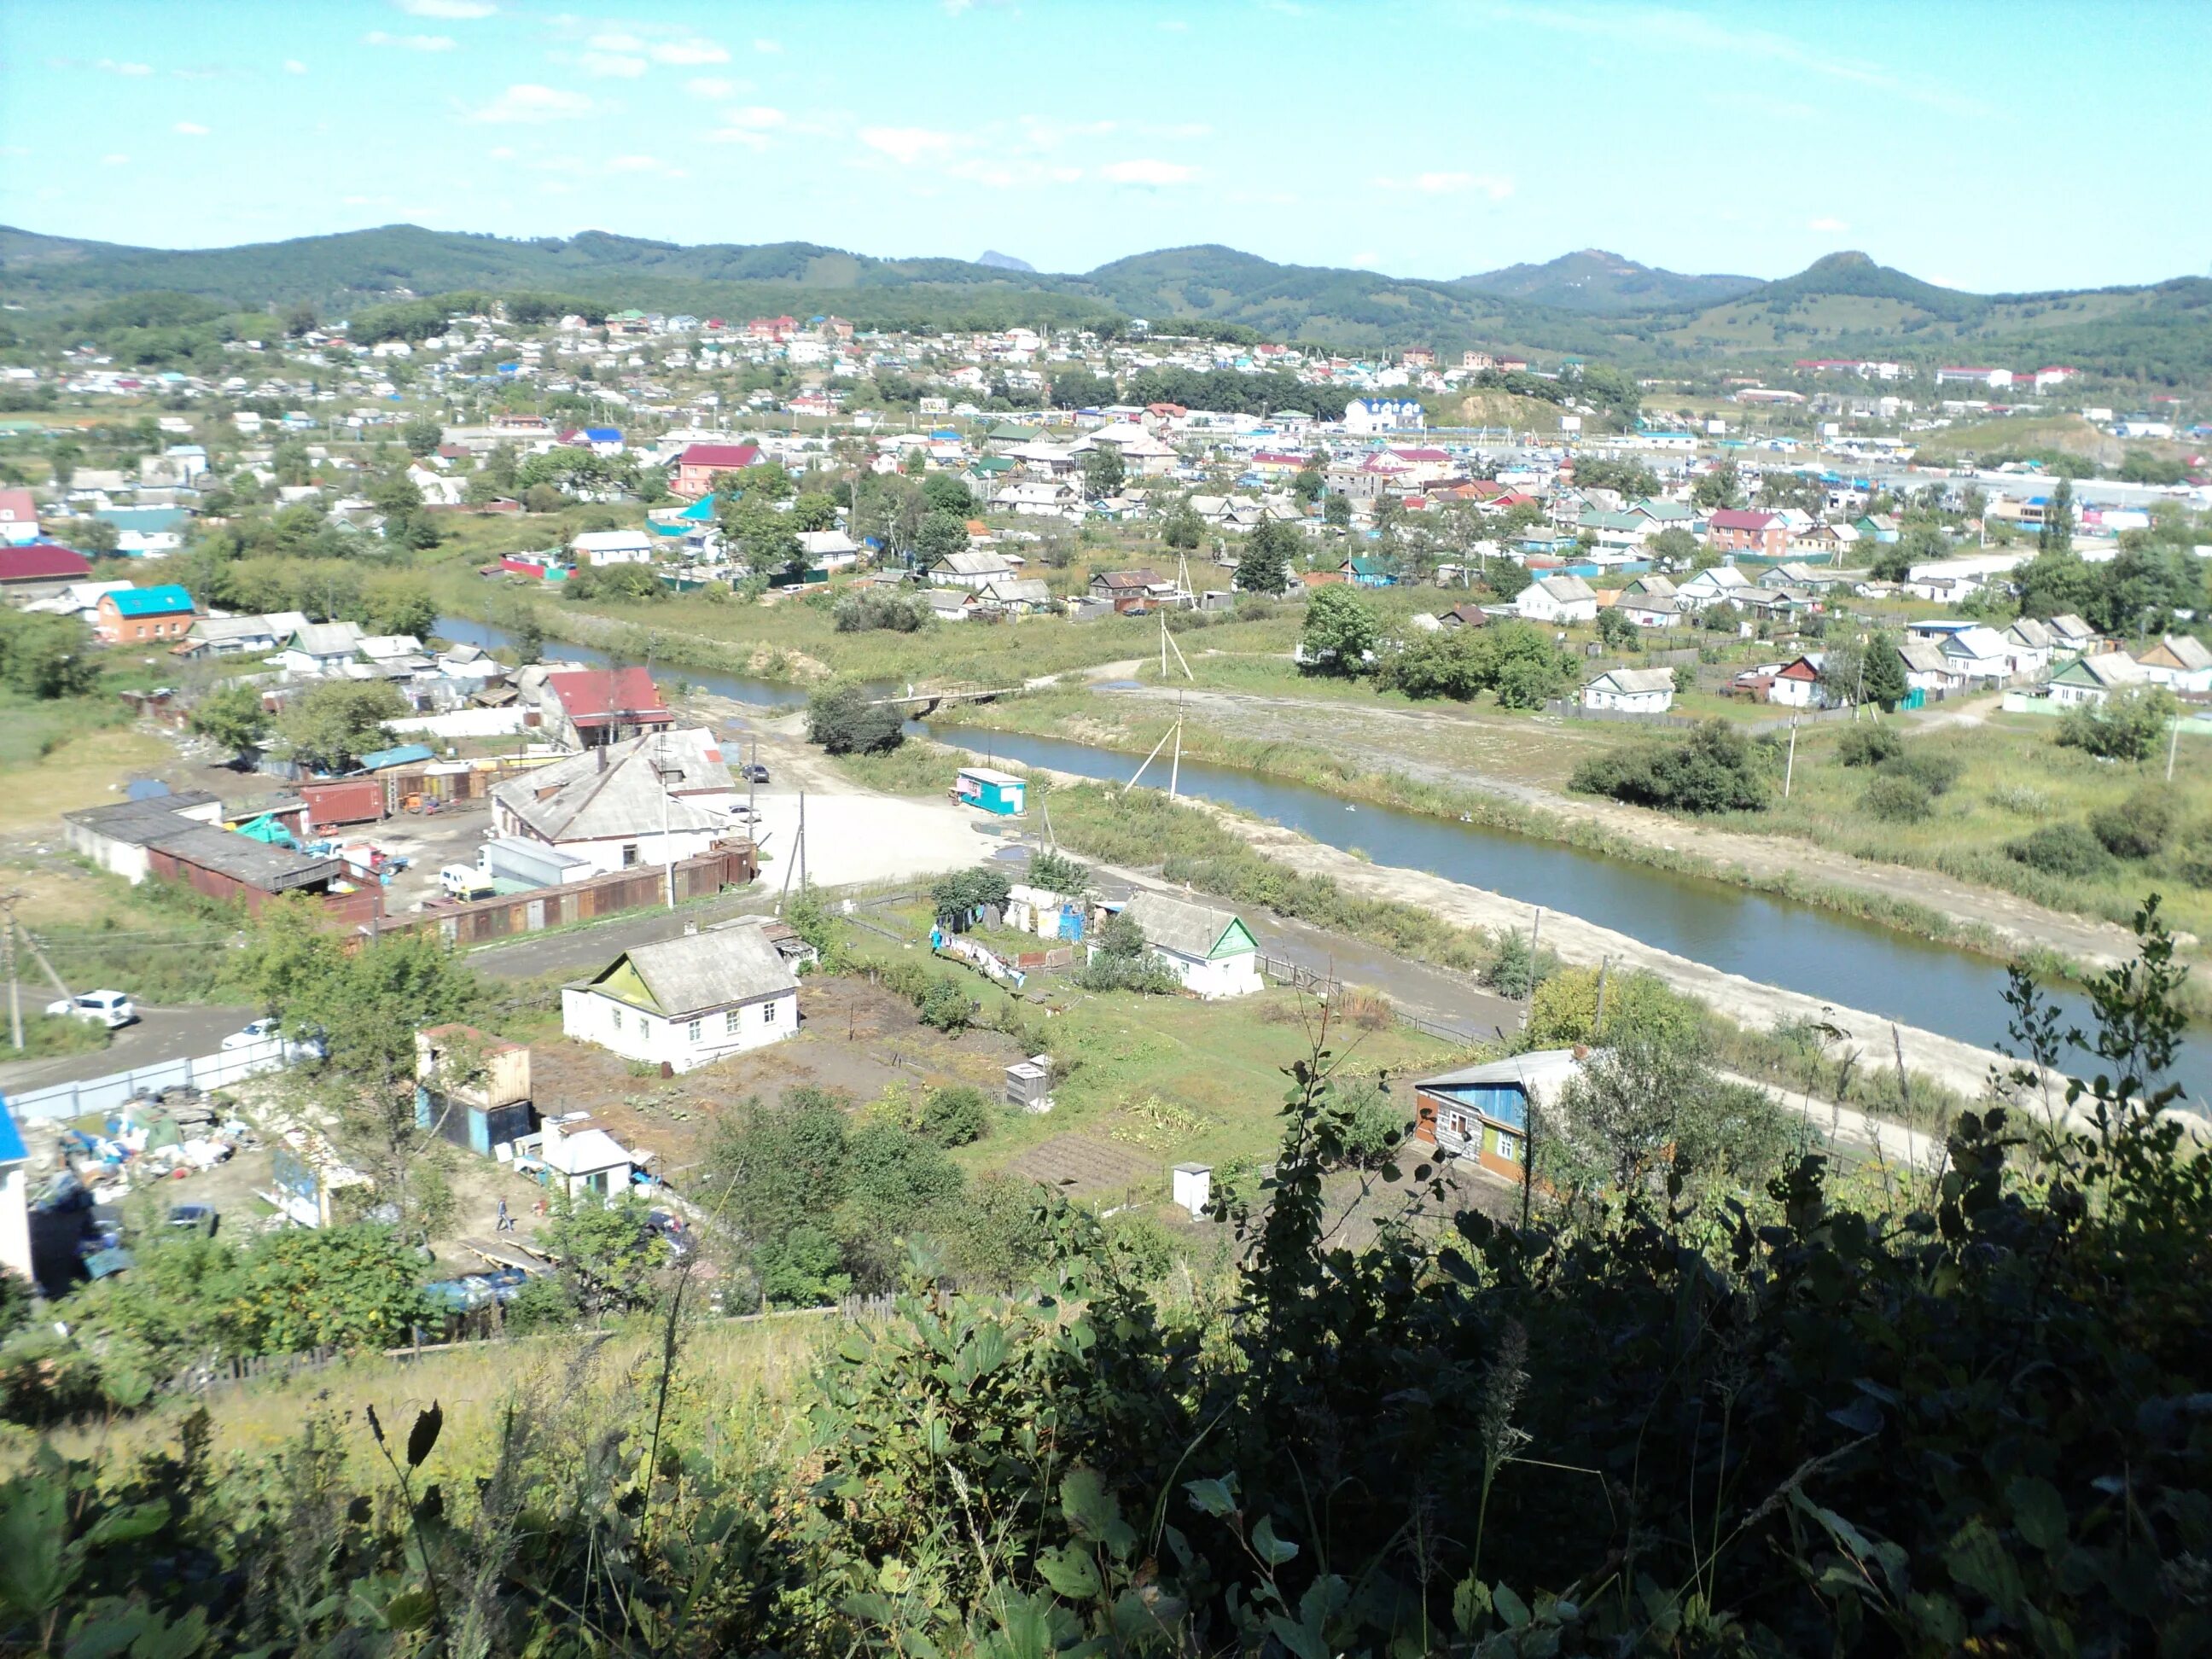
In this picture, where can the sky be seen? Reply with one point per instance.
(2006, 145)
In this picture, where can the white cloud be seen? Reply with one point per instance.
(748, 138)
(1491, 184)
(1146, 171)
(112, 66)
(1828, 222)
(689, 52)
(455, 10)
(114, 161)
(617, 43)
(769, 46)
(635, 164)
(294, 66)
(716, 86)
(999, 171)
(1361, 261)
(409, 42)
(502, 153)
(191, 129)
(907, 144)
(612, 63)
(528, 103)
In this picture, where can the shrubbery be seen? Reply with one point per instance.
(2062, 850)
(1715, 769)
(845, 720)
(2139, 827)
(2125, 726)
(859, 611)
(1897, 799)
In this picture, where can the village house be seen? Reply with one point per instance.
(651, 800)
(696, 467)
(2069, 635)
(1721, 583)
(601, 548)
(586, 706)
(580, 1160)
(1978, 654)
(689, 1001)
(1798, 685)
(2094, 680)
(1481, 1112)
(1037, 498)
(2032, 644)
(180, 838)
(141, 616)
(1367, 416)
(1633, 690)
(316, 650)
(19, 518)
(1740, 529)
(1129, 590)
(1019, 596)
(1559, 600)
(1650, 601)
(972, 570)
(1926, 669)
(2179, 662)
(1210, 952)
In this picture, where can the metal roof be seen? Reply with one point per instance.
(701, 972)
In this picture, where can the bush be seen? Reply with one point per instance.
(1932, 772)
(1716, 770)
(946, 1007)
(956, 1115)
(866, 609)
(1897, 799)
(1375, 1127)
(844, 721)
(2062, 849)
(2122, 727)
(2139, 827)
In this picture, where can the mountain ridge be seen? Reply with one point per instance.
(1590, 303)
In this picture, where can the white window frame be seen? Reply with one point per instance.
(694, 1030)
(767, 1011)
(614, 1019)
(732, 1021)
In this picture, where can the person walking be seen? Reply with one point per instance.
(506, 1223)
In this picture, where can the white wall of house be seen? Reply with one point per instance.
(1215, 977)
(1634, 702)
(1795, 694)
(590, 1016)
(14, 1221)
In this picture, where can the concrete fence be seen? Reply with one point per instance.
(106, 1094)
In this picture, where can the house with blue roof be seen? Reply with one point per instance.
(15, 1198)
(144, 616)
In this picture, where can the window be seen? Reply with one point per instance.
(731, 1020)
(768, 1013)
(694, 1030)
(1509, 1147)
(614, 1019)
(629, 855)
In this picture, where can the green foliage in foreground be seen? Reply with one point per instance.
(1782, 1427)
(1715, 769)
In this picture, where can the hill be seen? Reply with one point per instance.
(1596, 281)
(1590, 304)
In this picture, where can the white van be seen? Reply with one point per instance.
(465, 881)
(108, 1008)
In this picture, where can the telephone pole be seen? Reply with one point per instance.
(15, 986)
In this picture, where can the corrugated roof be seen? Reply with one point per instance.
(41, 562)
(641, 785)
(1188, 929)
(699, 973)
(168, 600)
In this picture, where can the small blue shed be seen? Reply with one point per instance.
(1001, 793)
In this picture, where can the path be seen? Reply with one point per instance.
(1393, 738)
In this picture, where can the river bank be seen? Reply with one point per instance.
(1362, 754)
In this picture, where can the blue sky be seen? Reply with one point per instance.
(2012, 145)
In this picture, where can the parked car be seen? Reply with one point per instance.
(754, 772)
(109, 1008)
(195, 1218)
(465, 881)
(261, 1030)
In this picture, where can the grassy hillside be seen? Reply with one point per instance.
(1589, 304)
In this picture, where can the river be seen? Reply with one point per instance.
(1775, 941)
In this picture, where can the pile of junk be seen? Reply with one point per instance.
(166, 1136)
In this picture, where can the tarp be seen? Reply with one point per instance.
(269, 830)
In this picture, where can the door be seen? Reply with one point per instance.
(533, 916)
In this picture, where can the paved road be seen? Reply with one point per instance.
(595, 946)
(161, 1034)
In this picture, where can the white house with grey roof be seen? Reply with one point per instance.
(1210, 952)
(687, 1001)
(1557, 600)
(647, 801)
(1631, 690)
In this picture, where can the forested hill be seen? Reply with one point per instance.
(1589, 304)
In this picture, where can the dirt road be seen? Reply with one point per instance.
(1403, 740)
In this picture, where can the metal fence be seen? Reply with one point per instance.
(104, 1094)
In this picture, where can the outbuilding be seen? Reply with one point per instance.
(999, 792)
(689, 1001)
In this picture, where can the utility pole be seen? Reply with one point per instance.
(1789, 766)
(802, 840)
(1529, 997)
(2172, 743)
(15, 986)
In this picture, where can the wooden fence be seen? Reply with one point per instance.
(483, 921)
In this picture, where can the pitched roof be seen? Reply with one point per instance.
(335, 639)
(2069, 627)
(627, 788)
(1737, 518)
(166, 600)
(1188, 929)
(701, 972)
(596, 697)
(2108, 669)
(1635, 681)
(2187, 652)
(1567, 589)
(41, 562)
(727, 457)
(18, 507)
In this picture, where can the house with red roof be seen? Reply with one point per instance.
(1741, 530)
(695, 467)
(19, 518)
(589, 708)
(42, 562)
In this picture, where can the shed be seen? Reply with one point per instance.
(1001, 793)
(532, 863)
(473, 1089)
(1193, 1187)
(579, 1157)
(1028, 1084)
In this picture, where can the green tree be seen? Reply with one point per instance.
(47, 657)
(812, 512)
(331, 725)
(1716, 770)
(232, 716)
(1615, 630)
(1308, 486)
(397, 602)
(1673, 547)
(2057, 533)
(1886, 684)
(1264, 564)
(1336, 511)
(1104, 472)
(1183, 530)
(845, 720)
(2126, 726)
(1722, 487)
(351, 1287)
(421, 436)
(944, 492)
(1340, 631)
(1647, 1107)
(609, 1252)
(940, 536)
